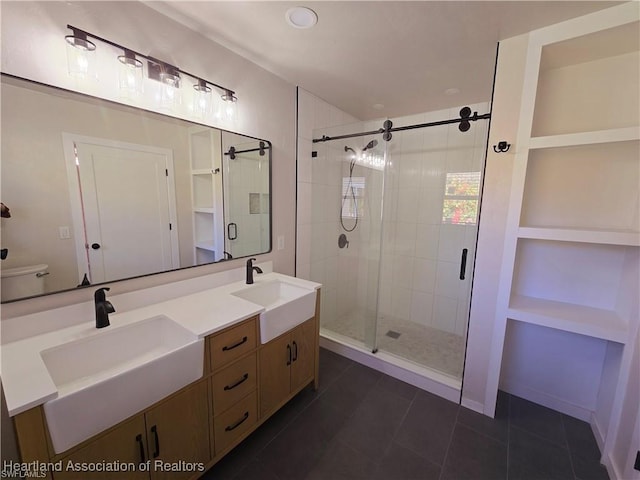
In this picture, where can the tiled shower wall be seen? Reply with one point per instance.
(319, 194)
(421, 254)
(420, 263)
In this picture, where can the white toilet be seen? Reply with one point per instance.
(20, 282)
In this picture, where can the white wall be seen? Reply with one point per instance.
(495, 203)
(33, 47)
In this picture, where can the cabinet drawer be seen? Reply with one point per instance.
(236, 421)
(233, 343)
(233, 383)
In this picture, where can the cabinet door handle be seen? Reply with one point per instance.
(238, 423)
(154, 430)
(143, 457)
(295, 351)
(239, 382)
(288, 354)
(235, 345)
(463, 263)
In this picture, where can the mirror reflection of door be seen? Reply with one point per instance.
(127, 208)
(246, 198)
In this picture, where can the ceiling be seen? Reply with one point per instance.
(400, 56)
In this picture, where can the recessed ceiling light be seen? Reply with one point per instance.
(452, 91)
(378, 106)
(301, 17)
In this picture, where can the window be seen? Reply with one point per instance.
(460, 206)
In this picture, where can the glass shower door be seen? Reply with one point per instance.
(246, 196)
(432, 196)
(346, 228)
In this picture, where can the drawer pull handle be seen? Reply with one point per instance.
(239, 382)
(295, 351)
(143, 458)
(154, 430)
(288, 354)
(238, 423)
(226, 348)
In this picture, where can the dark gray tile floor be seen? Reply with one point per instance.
(362, 424)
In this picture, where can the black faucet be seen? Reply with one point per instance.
(103, 308)
(250, 269)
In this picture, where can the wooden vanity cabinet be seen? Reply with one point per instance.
(173, 431)
(244, 382)
(287, 364)
(124, 443)
(178, 431)
(234, 384)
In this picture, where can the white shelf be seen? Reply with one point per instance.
(593, 322)
(586, 138)
(203, 210)
(202, 171)
(206, 246)
(601, 236)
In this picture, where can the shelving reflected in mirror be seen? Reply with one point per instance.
(100, 191)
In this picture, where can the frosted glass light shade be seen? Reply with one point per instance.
(202, 100)
(169, 91)
(227, 108)
(130, 77)
(81, 58)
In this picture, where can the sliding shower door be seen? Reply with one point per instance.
(432, 199)
(346, 228)
(393, 236)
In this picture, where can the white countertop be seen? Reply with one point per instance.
(26, 380)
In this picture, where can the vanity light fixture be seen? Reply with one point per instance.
(80, 55)
(202, 99)
(131, 77)
(168, 92)
(228, 109)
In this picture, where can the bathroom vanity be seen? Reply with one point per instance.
(212, 367)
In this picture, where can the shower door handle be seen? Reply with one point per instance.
(232, 231)
(463, 263)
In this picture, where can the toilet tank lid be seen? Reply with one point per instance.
(26, 270)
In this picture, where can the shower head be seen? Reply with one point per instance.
(371, 144)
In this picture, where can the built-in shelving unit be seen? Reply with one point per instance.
(571, 259)
(570, 317)
(206, 194)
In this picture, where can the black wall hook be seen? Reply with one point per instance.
(502, 147)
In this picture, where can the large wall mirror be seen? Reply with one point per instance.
(98, 191)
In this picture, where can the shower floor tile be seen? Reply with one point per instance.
(426, 346)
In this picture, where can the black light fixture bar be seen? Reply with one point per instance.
(471, 118)
(149, 59)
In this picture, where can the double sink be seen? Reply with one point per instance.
(105, 378)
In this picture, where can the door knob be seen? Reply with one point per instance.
(95, 246)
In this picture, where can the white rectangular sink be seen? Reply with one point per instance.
(286, 306)
(115, 373)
